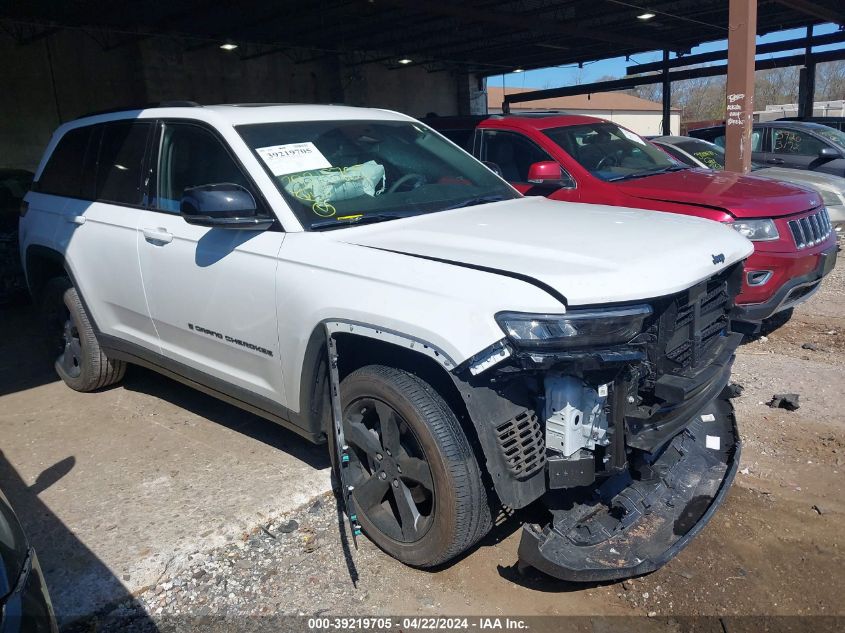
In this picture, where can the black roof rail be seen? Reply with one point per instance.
(146, 106)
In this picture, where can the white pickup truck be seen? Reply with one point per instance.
(490, 350)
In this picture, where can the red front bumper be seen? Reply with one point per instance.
(794, 275)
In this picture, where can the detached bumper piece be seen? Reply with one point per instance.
(639, 519)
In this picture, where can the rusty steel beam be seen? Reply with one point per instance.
(717, 56)
(739, 100)
(677, 75)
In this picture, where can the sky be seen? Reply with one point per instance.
(616, 67)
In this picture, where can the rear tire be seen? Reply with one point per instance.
(423, 502)
(78, 358)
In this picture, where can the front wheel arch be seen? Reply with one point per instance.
(356, 351)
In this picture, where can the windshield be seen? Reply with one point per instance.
(710, 154)
(610, 152)
(831, 134)
(338, 173)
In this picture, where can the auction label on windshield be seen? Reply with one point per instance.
(292, 158)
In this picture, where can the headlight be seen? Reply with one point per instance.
(831, 198)
(576, 328)
(757, 230)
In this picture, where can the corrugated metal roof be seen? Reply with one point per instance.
(485, 36)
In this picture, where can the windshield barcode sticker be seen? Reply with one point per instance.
(292, 158)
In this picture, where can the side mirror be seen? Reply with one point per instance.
(544, 171)
(493, 167)
(829, 152)
(223, 205)
(548, 172)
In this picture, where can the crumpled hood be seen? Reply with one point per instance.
(741, 196)
(590, 254)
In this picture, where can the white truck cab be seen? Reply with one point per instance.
(486, 348)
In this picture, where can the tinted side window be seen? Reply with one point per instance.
(513, 153)
(192, 156)
(756, 141)
(120, 162)
(64, 171)
(795, 142)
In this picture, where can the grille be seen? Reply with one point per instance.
(698, 323)
(521, 442)
(811, 230)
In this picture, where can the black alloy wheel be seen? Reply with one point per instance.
(392, 479)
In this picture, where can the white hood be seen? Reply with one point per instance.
(591, 254)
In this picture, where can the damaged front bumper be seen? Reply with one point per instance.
(627, 450)
(634, 526)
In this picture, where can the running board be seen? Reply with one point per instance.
(633, 527)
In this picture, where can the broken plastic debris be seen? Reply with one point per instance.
(714, 442)
(745, 471)
(708, 417)
(788, 401)
(734, 390)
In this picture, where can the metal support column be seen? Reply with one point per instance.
(739, 106)
(667, 95)
(807, 79)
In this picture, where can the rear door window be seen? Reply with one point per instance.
(120, 162)
(65, 172)
(795, 142)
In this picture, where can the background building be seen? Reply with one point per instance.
(820, 108)
(638, 115)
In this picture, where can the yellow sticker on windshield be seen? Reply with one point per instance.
(323, 209)
(354, 216)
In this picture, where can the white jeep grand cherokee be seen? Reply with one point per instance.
(490, 349)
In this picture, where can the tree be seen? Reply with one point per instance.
(830, 81)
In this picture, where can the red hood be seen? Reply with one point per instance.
(741, 196)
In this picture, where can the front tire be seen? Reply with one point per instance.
(78, 358)
(418, 491)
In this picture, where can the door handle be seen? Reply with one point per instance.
(775, 161)
(75, 219)
(157, 235)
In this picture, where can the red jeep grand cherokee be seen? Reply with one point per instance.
(585, 159)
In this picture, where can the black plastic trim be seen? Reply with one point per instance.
(211, 385)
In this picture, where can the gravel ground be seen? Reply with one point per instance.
(775, 548)
(300, 564)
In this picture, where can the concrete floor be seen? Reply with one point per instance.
(116, 487)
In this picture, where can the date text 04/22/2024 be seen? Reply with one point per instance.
(415, 623)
